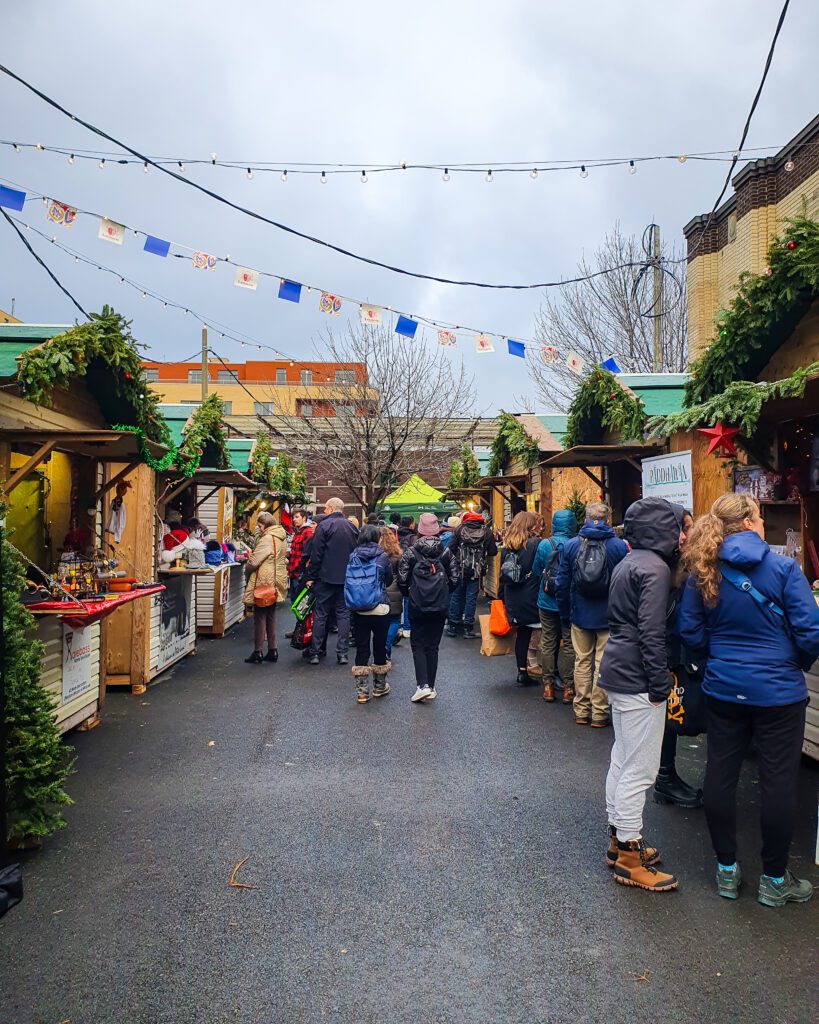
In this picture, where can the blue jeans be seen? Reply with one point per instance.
(463, 603)
(394, 626)
(405, 623)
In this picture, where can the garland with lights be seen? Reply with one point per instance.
(602, 402)
(103, 352)
(512, 443)
(763, 313)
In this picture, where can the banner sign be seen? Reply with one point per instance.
(76, 662)
(669, 477)
(110, 231)
(175, 625)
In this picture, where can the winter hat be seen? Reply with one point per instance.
(453, 522)
(428, 525)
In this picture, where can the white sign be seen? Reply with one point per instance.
(76, 662)
(369, 314)
(575, 363)
(110, 231)
(245, 278)
(669, 477)
(175, 625)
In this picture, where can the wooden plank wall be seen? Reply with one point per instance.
(50, 632)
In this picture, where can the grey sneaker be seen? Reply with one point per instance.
(728, 882)
(791, 890)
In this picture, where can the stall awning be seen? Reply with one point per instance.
(583, 455)
(218, 478)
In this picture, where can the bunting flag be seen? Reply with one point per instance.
(447, 338)
(290, 291)
(60, 213)
(548, 353)
(157, 246)
(483, 344)
(245, 278)
(575, 363)
(330, 304)
(370, 314)
(611, 365)
(11, 198)
(516, 348)
(202, 261)
(110, 231)
(406, 326)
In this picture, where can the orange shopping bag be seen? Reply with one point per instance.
(498, 622)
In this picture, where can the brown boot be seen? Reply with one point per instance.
(632, 868)
(568, 693)
(361, 674)
(652, 854)
(549, 690)
(380, 685)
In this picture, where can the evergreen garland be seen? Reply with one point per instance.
(577, 507)
(205, 441)
(602, 402)
(512, 443)
(104, 352)
(739, 404)
(37, 762)
(764, 311)
(260, 460)
(465, 471)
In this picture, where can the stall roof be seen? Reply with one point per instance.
(239, 449)
(219, 478)
(555, 423)
(15, 339)
(602, 454)
(103, 445)
(661, 393)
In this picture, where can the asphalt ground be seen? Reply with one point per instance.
(439, 863)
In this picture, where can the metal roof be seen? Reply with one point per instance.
(15, 339)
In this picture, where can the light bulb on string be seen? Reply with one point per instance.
(71, 159)
(489, 179)
(682, 158)
(364, 178)
(632, 168)
(789, 165)
(40, 146)
(181, 166)
(144, 295)
(284, 176)
(101, 164)
(533, 172)
(213, 158)
(446, 175)
(145, 167)
(583, 172)
(249, 174)
(15, 147)
(76, 259)
(323, 178)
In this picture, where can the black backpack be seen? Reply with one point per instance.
(591, 575)
(429, 586)
(549, 578)
(470, 554)
(511, 571)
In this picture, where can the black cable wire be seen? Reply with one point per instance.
(291, 230)
(42, 263)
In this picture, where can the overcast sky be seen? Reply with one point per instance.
(442, 82)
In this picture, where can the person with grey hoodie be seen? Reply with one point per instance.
(634, 673)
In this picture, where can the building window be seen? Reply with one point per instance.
(264, 408)
(152, 376)
(732, 227)
(225, 377)
(281, 376)
(345, 377)
(227, 406)
(190, 401)
(194, 376)
(307, 376)
(344, 409)
(305, 409)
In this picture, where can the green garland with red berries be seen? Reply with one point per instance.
(601, 402)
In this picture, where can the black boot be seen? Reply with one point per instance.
(272, 654)
(669, 788)
(256, 658)
(451, 629)
(469, 631)
(524, 679)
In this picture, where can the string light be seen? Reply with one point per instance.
(145, 167)
(364, 178)
(682, 158)
(446, 175)
(789, 165)
(632, 168)
(16, 147)
(71, 159)
(323, 178)
(284, 176)
(533, 172)
(181, 166)
(101, 164)
(40, 146)
(249, 174)
(489, 179)
(213, 159)
(583, 172)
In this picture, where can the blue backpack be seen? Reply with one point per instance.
(363, 587)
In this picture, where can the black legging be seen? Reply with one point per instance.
(668, 751)
(522, 641)
(425, 639)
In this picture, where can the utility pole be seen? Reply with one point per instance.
(657, 355)
(204, 363)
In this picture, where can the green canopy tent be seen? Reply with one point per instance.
(415, 496)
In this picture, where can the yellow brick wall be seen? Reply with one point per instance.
(713, 278)
(283, 397)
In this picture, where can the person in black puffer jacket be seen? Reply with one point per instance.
(521, 542)
(427, 575)
(634, 672)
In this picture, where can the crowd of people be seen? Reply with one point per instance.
(664, 627)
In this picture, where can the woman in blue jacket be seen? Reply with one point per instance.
(752, 615)
(553, 654)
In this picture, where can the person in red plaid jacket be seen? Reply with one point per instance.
(296, 562)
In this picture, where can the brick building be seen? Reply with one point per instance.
(766, 192)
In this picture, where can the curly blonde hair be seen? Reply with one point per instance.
(701, 552)
(522, 527)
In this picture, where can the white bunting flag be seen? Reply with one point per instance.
(202, 261)
(110, 231)
(61, 213)
(246, 278)
(370, 314)
(447, 338)
(575, 363)
(483, 344)
(548, 353)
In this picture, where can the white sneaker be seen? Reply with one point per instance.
(405, 633)
(433, 693)
(421, 693)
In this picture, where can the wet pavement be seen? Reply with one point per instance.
(439, 863)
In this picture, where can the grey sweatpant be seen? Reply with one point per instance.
(635, 760)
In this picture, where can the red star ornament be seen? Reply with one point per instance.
(722, 438)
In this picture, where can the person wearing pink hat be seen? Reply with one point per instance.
(427, 575)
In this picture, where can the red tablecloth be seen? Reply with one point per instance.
(94, 609)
